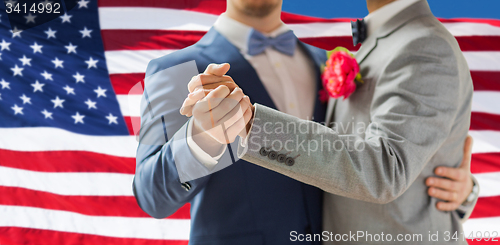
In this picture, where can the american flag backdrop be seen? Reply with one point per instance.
(69, 115)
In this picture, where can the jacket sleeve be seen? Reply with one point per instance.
(166, 170)
(414, 107)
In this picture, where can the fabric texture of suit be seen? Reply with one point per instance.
(411, 115)
(240, 204)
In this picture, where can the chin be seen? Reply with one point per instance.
(258, 8)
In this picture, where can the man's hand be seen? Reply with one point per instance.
(222, 111)
(202, 84)
(456, 183)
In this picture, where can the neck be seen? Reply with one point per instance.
(373, 5)
(264, 24)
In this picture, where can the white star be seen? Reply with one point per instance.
(47, 75)
(71, 48)
(36, 48)
(92, 63)
(85, 32)
(50, 33)
(25, 99)
(16, 32)
(30, 18)
(57, 102)
(5, 45)
(17, 70)
(58, 63)
(112, 119)
(82, 3)
(78, 118)
(4, 84)
(91, 104)
(100, 92)
(17, 110)
(47, 114)
(10, 2)
(66, 18)
(37, 86)
(79, 78)
(69, 90)
(25, 60)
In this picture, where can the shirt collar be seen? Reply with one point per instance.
(237, 33)
(378, 18)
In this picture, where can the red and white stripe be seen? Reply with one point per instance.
(58, 187)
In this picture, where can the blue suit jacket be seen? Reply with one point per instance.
(241, 204)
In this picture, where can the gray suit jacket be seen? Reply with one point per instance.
(411, 115)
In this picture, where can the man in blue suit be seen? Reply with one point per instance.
(243, 203)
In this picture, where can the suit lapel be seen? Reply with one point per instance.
(366, 48)
(418, 9)
(241, 71)
(329, 111)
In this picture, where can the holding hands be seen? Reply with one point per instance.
(220, 109)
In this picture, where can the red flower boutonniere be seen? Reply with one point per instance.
(340, 75)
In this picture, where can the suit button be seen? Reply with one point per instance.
(281, 158)
(272, 155)
(290, 161)
(186, 186)
(263, 151)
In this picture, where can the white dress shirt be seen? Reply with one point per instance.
(378, 18)
(290, 81)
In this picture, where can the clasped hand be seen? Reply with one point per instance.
(220, 109)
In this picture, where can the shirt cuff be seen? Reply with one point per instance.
(466, 211)
(199, 153)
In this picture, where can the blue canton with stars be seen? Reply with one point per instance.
(55, 75)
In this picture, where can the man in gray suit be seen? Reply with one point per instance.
(411, 114)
